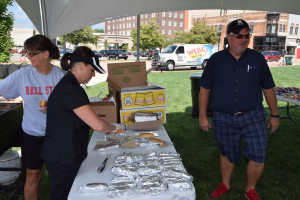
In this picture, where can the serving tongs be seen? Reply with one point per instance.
(102, 165)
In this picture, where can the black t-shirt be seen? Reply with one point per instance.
(67, 135)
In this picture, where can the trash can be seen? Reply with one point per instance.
(288, 60)
(195, 88)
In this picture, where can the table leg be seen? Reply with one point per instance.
(288, 113)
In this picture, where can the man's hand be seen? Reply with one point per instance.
(273, 124)
(204, 123)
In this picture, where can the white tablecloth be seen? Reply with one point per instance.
(88, 171)
(288, 100)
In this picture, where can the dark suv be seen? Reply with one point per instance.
(116, 54)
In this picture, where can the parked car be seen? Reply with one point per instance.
(13, 50)
(97, 53)
(116, 54)
(271, 55)
(103, 53)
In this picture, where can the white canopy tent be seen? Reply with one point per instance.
(64, 16)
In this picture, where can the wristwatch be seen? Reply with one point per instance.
(275, 116)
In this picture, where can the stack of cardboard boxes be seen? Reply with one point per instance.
(127, 83)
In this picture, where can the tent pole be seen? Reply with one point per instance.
(43, 16)
(138, 19)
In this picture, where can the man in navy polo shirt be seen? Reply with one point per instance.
(237, 78)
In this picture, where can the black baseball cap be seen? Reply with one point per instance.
(94, 61)
(236, 26)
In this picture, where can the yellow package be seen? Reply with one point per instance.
(140, 99)
(149, 98)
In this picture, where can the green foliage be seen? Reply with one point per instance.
(6, 26)
(84, 35)
(199, 34)
(150, 36)
(97, 30)
(125, 47)
(105, 44)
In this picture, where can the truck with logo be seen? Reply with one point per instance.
(192, 55)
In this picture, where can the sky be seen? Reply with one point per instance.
(22, 21)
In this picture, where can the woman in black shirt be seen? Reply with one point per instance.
(69, 118)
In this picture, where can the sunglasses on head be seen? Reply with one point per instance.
(240, 36)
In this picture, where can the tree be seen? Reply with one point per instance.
(84, 35)
(199, 34)
(150, 36)
(97, 30)
(6, 26)
(105, 44)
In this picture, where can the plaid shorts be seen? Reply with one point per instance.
(230, 130)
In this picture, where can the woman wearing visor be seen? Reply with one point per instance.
(69, 119)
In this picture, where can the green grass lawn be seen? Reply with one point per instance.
(199, 150)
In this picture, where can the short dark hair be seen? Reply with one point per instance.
(42, 43)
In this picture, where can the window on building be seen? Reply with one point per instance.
(108, 27)
(163, 31)
(268, 29)
(108, 33)
(251, 27)
(175, 23)
(283, 29)
(170, 14)
(133, 17)
(163, 22)
(296, 30)
(175, 14)
(142, 16)
(113, 20)
(169, 32)
(129, 18)
(220, 28)
(113, 27)
(146, 16)
(280, 28)
(273, 28)
(291, 30)
(129, 25)
(113, 33)
(153, 15)
(180, 24)
(169, 23)
(120, 26)
(181, 15)
(163, 14)
(124, 25)
(123, 32)
(133, 24)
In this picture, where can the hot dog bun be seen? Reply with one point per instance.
(43, 103)
(146, 135)
(160, 142)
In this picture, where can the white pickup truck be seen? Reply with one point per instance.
(191, 55)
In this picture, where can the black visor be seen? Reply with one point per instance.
(94, 61)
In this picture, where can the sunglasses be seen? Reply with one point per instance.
(33, 54)
(240, 36)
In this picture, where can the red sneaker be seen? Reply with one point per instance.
(252, 195)
(217, 193)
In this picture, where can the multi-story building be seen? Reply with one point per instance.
(270, 30)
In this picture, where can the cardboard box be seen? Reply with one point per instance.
(106, 110)
(125, 115)
(129, 74)
(144, 96)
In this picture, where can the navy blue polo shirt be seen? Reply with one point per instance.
(236, 85)
(66, 138)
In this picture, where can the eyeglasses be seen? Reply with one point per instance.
(33, 54)
(240, 36)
